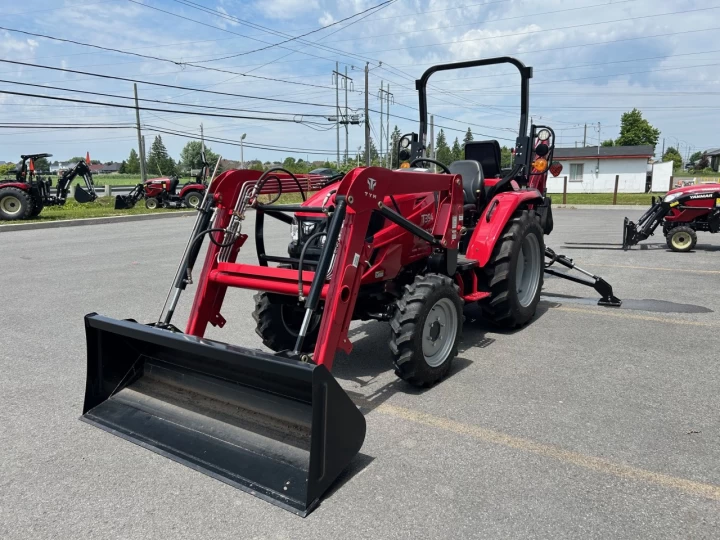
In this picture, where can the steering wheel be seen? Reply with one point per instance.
(428, 160)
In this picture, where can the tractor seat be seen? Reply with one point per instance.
(34, 156)
(472, 179)
(174, 181)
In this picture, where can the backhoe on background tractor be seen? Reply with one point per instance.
(26, 195)
(408, 247)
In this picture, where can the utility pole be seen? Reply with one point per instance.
(367, 115)
(242, 155)
(337, 110)
(585, 137)
(432, 138)
(598, 138)
(385, 95)
(663, 150)
(346, 117)
(202, 137)
(141, 149)
(381, 95)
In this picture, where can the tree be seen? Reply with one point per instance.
(442, 151)
(132, 165)
(123, 167)
(702, 163)
(506, 157)
(635, 130)
(696, 156)
(468, 136)
(42, 165)
(75, 159)
(190, 156)
(608, 142)
(457, 151)
(158, 160)
(671, 154)
(255, 165)
(394, 137)
(5, 168)
(95, 162)
(374, 156)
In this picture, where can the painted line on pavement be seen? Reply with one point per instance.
(619, 470)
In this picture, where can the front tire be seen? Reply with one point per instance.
(152, 203)
(278, 323)
(15, 204)
(681, 239)
(515, 272)
(426, 329)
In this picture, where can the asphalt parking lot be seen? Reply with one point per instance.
(589, 422)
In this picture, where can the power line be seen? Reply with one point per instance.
(157, 58)
(113, 77)
(120, 106)
(159, 101)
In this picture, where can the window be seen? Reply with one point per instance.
(576, 172)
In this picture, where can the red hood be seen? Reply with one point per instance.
(159, 179)
(700, 188)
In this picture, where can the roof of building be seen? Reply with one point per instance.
(591, 152)
(713, 152)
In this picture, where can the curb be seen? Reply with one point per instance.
(601, 206)
(90, 221)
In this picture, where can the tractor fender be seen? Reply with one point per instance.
(191, 187)
(493, 221)
(19, 185)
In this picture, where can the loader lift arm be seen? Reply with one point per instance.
(81, 195)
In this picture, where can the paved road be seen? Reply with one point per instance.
(589, 422)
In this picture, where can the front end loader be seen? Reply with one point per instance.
(407, 247)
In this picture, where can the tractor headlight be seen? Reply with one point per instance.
(294, 236)
(671, 197)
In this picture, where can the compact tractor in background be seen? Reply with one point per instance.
(682, 213)
(164, 193)
(26, 195)
(407, 247)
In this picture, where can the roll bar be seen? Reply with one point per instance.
(526, 74)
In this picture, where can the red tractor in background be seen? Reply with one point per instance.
(163, 193)
(26, 195)
(682, 213)
(407, 247)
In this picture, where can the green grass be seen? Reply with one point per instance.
(102, 207)
(641, 199)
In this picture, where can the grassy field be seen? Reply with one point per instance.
(102, 207)
(641, 199)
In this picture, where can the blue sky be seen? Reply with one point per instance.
(593, 59)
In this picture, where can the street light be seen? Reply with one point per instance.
(242, 157)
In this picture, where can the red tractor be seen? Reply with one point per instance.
(682, 213)
(408, 247)
(163, 193)
(26, 195)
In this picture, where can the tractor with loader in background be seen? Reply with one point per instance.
(408, 247)
(27, 195)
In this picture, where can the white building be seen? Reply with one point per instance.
(593, 170)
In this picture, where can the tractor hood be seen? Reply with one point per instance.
(699, 188)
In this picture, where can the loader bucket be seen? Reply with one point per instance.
(123, 202)
(280, 429)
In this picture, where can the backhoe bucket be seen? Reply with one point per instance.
(82, 196)
(123, 202)
(280, 429)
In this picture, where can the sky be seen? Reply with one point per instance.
(593, 60)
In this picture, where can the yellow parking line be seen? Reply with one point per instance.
(592, 463)
(614, 312)
(679, 269)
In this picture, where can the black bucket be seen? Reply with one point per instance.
(123, 202)
(280, 429)
(83, 196)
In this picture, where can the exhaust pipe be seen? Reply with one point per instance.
(275, 427)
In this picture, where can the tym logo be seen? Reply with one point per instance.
(371, 187)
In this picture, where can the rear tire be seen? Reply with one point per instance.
(152, 203)
(278, 323)
(37, 208)
(15, 204)
(681, 239)
(426, 329)
(515, 272)
(193, 199)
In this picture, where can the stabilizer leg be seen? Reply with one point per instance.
(603, 288)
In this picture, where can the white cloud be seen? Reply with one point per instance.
(285, 9)
(326, 19)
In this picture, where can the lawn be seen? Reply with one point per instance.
(641, 199)
(102, 207)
